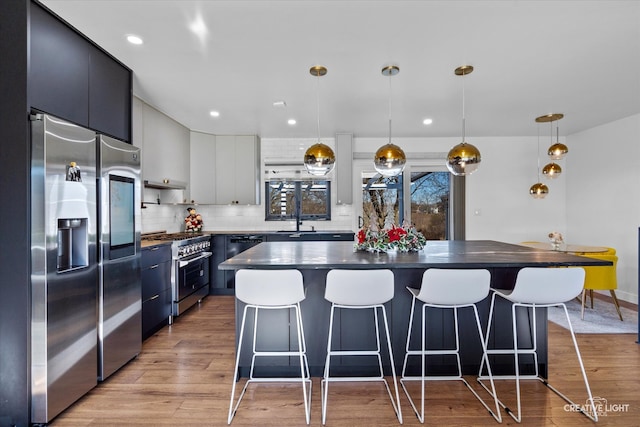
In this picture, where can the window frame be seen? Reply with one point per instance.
(429, 162)
(297, 195)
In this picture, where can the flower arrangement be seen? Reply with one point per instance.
(404, 239)
(556, 239)
(193, 223)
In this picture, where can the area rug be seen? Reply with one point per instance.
(602, 319)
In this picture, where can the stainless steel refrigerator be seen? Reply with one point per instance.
(64, 265)
(120, 291)
(85, 250)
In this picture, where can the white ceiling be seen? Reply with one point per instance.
(579, 58)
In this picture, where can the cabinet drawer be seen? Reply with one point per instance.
(155, 255)
(155, 279)
(155, 313)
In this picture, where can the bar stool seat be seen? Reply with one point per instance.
(452, 289)
(354, 290)
(271, 290)
(537, 287)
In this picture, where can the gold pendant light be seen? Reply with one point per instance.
(552, 170)
(389, 160)
(538, 190)
(556, 151)
(463, 159)
(319, 159)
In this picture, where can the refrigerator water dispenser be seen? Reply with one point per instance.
(73, 244)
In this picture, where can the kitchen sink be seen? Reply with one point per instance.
(296, 232)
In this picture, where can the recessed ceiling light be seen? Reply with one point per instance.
(427, 121)
(291, 121)
(214, 114)
(279, 104)
(198, 27)
(134, 39)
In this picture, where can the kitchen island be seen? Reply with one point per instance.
(352, 328)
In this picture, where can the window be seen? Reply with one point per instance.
(307, 200)
(382, 200)
(430, 203)
(425, 195)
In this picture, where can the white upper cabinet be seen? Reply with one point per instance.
(165, 147)
(237, 169)
(202, 171)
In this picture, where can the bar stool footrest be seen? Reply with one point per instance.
(579, 408)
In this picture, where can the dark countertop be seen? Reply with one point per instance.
(443, 254)
(150, 243)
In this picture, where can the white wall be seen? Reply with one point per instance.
(603, 194)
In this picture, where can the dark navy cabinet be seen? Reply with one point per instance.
(59, 68)
(156, 288)
(72, 78)
(109, 95)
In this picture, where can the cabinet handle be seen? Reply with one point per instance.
(155, 248)
(154, 297)
(154, 266)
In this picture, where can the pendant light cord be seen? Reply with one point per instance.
(318, 102)
(551, 129)
(463, 118)
(390, 75)
(538, 152)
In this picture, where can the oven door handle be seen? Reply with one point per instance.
(201, 256)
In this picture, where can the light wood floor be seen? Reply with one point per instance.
(183, 378)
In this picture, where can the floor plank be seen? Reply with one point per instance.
(183, 377)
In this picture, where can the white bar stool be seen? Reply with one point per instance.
(271, 290)
(538, 288)
(448, 289)
(360, 289)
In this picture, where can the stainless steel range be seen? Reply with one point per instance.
(189, 270)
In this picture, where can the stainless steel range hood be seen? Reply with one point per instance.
(166, 184)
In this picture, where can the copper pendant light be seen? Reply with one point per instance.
(389, 160)
(463, 159)
(552, 170)
(556, 151)
(319, 159)
(538, 190)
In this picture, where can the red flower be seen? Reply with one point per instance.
(362, 235)
(396, 234)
